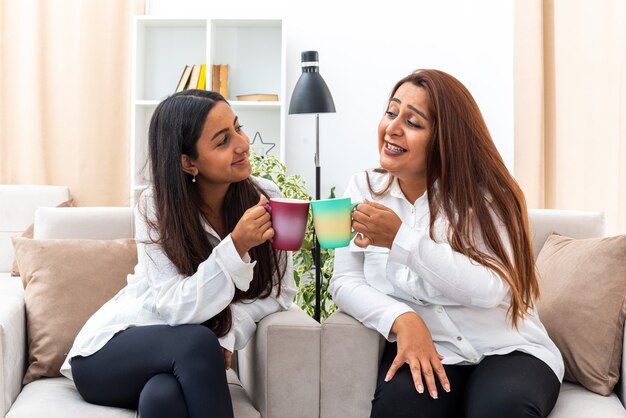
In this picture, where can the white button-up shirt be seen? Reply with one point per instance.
(463, 303)
(157, 294)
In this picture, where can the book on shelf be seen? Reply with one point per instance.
(257, 97)
(184, 79)
(224, 80)
(202, 79)
(215, 78)
(219, 79)
(194, 77)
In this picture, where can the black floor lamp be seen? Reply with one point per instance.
(311, 95)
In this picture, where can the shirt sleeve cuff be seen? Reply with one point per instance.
(388, 318)
(240, 270)
(228, 341)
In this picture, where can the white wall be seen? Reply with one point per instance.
(364, 49)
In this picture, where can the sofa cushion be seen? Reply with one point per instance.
(17, 207)
(58, 398)
(577, 402)
(65, 282)
(583, 306)
(28, 233)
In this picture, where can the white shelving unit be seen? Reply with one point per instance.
(255, 53)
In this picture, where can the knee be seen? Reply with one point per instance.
(198, 343)
(162, 397)
(394, 398)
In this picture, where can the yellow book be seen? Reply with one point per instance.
(202, 79)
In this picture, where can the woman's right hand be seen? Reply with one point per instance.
(254, 228)
(415, 347)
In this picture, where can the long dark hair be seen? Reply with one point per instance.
(464, 159)
(175, 128)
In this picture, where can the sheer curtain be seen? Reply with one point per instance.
(570, 105)
(64, 96)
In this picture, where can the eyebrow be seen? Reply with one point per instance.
(413, 108)
(221, 131)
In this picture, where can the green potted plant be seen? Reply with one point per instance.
(293, 186)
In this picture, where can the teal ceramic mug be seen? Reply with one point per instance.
(332, 219)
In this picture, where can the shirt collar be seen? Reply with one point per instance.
(396, 192)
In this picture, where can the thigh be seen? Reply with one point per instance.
(116, 374)
(515, 385)
(398, 398)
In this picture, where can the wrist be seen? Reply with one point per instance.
(405, 321)
(241, 249)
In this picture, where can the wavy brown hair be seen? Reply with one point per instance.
(175, 128)
(473, 183)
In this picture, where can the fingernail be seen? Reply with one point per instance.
(420, 388)
(446, 387)
(433, 393)
(387, 378)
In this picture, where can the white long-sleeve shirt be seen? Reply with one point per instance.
(157, 294)
(463, 303)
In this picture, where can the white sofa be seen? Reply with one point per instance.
(278, 372)
(351, 352)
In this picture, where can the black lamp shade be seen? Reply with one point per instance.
(311, 94)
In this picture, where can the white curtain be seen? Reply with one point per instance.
(64, 96)
(570, 105)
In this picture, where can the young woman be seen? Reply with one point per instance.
(443, 265)
(205, 274)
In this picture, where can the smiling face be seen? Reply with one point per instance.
(404, 133)
(223, 149)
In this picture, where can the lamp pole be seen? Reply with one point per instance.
(311, 96)
(316, 246)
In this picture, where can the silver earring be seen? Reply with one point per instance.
(193, 180)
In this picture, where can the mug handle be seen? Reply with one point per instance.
(268, 208)
(354, 205)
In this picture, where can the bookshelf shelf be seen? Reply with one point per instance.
(253, 49)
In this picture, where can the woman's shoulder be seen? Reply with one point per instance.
(268, 186)
(372, 178)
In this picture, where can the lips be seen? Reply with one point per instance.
(394, 149)
(243, 161)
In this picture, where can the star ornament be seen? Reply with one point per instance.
(261, 147)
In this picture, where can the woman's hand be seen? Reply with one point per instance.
(227, 357)
(253, 228)
(416, 348)
(376, 224)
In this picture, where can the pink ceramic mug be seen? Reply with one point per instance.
(289, 218)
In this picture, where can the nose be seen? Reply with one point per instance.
(394, 128)
(243, 144)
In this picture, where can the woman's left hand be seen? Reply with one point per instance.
(375, 224)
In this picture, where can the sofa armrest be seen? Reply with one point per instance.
(280, 366)
(12, 340)
(349, 366)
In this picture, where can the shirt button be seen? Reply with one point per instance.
(439, 310)
(459, 338)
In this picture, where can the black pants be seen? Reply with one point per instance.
(515, 385)
(160, 370)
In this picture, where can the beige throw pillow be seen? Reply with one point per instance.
(582, 305)
(65, 282)
(28, 233)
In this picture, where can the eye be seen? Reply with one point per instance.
(223, 141)
(238, 128)
(414, 125)
(390, 114)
